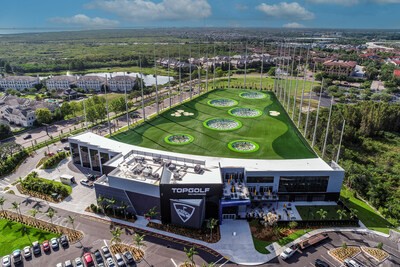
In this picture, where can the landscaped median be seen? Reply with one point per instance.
(42, 188)
(53, 161)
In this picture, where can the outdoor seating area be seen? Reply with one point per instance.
(235, 190)
(285, 211)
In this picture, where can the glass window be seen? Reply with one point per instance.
(303, 183)
(104, 157)
(94, 156)
(260, 179)
(75, 154)
(85, 157)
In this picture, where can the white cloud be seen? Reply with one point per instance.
(286, 10)
(387, 1)
(241, 7)
(137, 10)
(293, 25)
(335, 2)
(85, 21)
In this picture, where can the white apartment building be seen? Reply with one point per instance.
(122, 83)
(91, 83)
(60, 82)
(18, 82)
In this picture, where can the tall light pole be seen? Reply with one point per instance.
(229, 64)
(190, 70)
(214, 63)
(245, 66)
(296, 87)
(340, 142)
(317, 117)
(155, 76)
(262, 64)
(126, 100)
(198, 72)
(327, 128)
(169, 82)
(207, 67)
(302, 90)
(141, 87)
(309, 105)
(108, 112)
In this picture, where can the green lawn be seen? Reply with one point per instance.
(13, 236)
(277, 137)
(368, 216)
(310, 212)
(260, 245)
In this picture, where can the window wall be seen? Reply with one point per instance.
(94, 156)
(85, 157)
(303, 183)
(260, 179)
(75, 154)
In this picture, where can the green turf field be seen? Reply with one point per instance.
(277, 137)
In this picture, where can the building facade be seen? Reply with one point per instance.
(60, 82)
(88, 83)
(18, 82)
(188, 189)
(339, 67)
(122, 83)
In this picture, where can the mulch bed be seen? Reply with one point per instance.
(38, 195)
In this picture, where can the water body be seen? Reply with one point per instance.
(149, 80)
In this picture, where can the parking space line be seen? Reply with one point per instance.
(322, 256)
(174, 262)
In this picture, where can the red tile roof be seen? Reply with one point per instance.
(340, 63)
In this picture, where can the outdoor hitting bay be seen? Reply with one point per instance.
(230, 123)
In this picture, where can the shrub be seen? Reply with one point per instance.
(379, 245)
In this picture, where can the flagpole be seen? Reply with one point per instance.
(229, 64)
(340, 142)
(155, 76)
(296, 87)
(309, 105)
(316, 119)
(262, 64)
(141, 87)
(327, 128)
(302, 90)
(108, 113)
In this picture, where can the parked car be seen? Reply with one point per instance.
(17, 256)
(86, 182)
(321, 263)
(101, 264)
(98, 257)
(128, 257)
(59, 150)
(106, 252)
(64, 140)
(68, 263)
(28, 136)
(6, 261)
(64, 241)
(54, 243)
(27, 252)
(287, 253)
(351, 263)
(36, 248)
(119, 259)
(59, 264)
(78, 262)
(66, 148)
(46, 245)
(87, 258)
(110, 262)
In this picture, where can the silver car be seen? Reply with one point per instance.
(6, 261)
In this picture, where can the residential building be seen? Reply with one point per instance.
(60, 82)
(21, 111)
(339, 67)
(122, 83)
(88, 83)
(18, 82)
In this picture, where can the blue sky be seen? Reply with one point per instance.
(95, 14)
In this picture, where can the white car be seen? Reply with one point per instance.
(287, 253)
(110, 262)
(6, 261)
(27, 252)
(78, 262)
(54, 243)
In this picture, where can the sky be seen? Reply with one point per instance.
(29, 15)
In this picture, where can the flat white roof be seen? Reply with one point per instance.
(313, 164)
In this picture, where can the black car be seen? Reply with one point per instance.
(64, 140)
(128, 257)
(97, 256)
(28, 136)
(17, 256)
(321, 263)
(36, 248)
(63, 241)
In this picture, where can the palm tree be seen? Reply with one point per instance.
(211, 224)
(16, 207)
(190, 254)
(51, 213)
(138, 239)
(100, 202)
(341, 213)
(2, 201)
(124, 207)
(151, 213)
(111, 203)
(353, 213)
(33, 213)
(322, 213)
(71, 220)
(116, 233)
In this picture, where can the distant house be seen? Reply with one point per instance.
(18, 82)
(21, 111)
(60, 82)
(358, 72)
(91, 83)
(122, 83)
(339, 67)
